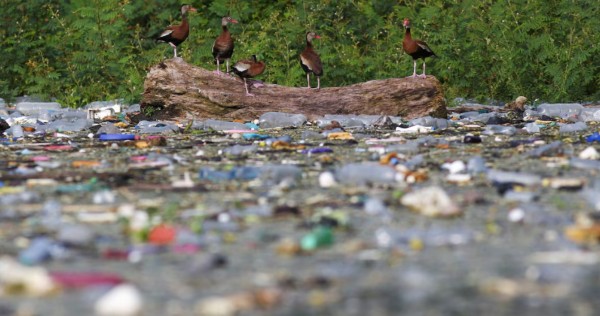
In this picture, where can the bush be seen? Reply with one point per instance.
(81, 51)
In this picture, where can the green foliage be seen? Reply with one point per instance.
(81, 51)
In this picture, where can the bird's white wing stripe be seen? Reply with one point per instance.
(241, 67)
(425, 47)
(165, 33)
(305, 62)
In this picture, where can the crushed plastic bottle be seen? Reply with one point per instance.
(366, 173)
(595, 137)
(218, 125)
(32, 108)
(476, 165)
(590, 114)
(435, 123)
(347, 121)
(238, 150)
(15, 131)
(278, 119)
(39, 250)
(527, 179)
(51, 215)
(571, 128)
(499, 129)
(236, 173)
(66, 125)
(551, 149)
(156, 127)
(532, 128)
(562, 110)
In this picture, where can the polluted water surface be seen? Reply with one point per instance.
(488, 211)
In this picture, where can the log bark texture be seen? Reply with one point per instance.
(176, 89)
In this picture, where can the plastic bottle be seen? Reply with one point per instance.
(347, 121)
(278, 119)
(116, 137)
(563, 110)
(104, 104)
(32, 108)
(317, 238)
(499, 176)
(476, 165)
(499, 129)
(109, 128)
(67, 125)
(277, 174)
(237, 150)
(75, 234)
(546, 150)
(571, 128)
(376, 207)
(133, 108)
(51, 215)
(220, 125)
(155, 127)
(39, 250)
(366, 173)
(237, 173)
(532, 128)
(311, 135)
(595, 137)
(590, 114)
(16, 131)
(585, 163)
(436, 123)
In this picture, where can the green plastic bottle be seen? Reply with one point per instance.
(317, 238)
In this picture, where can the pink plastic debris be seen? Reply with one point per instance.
(85, 279)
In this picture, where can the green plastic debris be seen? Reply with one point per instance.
(317, 238)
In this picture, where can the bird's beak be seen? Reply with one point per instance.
(234, 21)
(193, 9)
(317, 36)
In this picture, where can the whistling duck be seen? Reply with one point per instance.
(310, 60)
(416, 49)
(176, 34)
(248, 68)
(223, 47)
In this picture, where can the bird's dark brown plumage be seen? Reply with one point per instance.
(248, 68)
(223, 46)
(415, 48)
(310, 60)
(176, 34)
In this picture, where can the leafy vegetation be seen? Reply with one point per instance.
(81, 51)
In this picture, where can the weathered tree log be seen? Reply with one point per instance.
(176, 89)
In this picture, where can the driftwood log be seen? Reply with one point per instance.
(175, 89)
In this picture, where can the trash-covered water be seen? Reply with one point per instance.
(106, 212)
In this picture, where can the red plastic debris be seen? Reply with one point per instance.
(162, 234)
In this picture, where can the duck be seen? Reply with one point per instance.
(416, 49)
(222, 48)
(248, 68)
(310, 60)
(176, 34)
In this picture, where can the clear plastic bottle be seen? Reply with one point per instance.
(279, 119)
(32, 108)
(366, 173)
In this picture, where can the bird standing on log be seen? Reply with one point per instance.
(310, 60)
(248, 68)
(416, 49)
(176, 34)
(223, 47)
